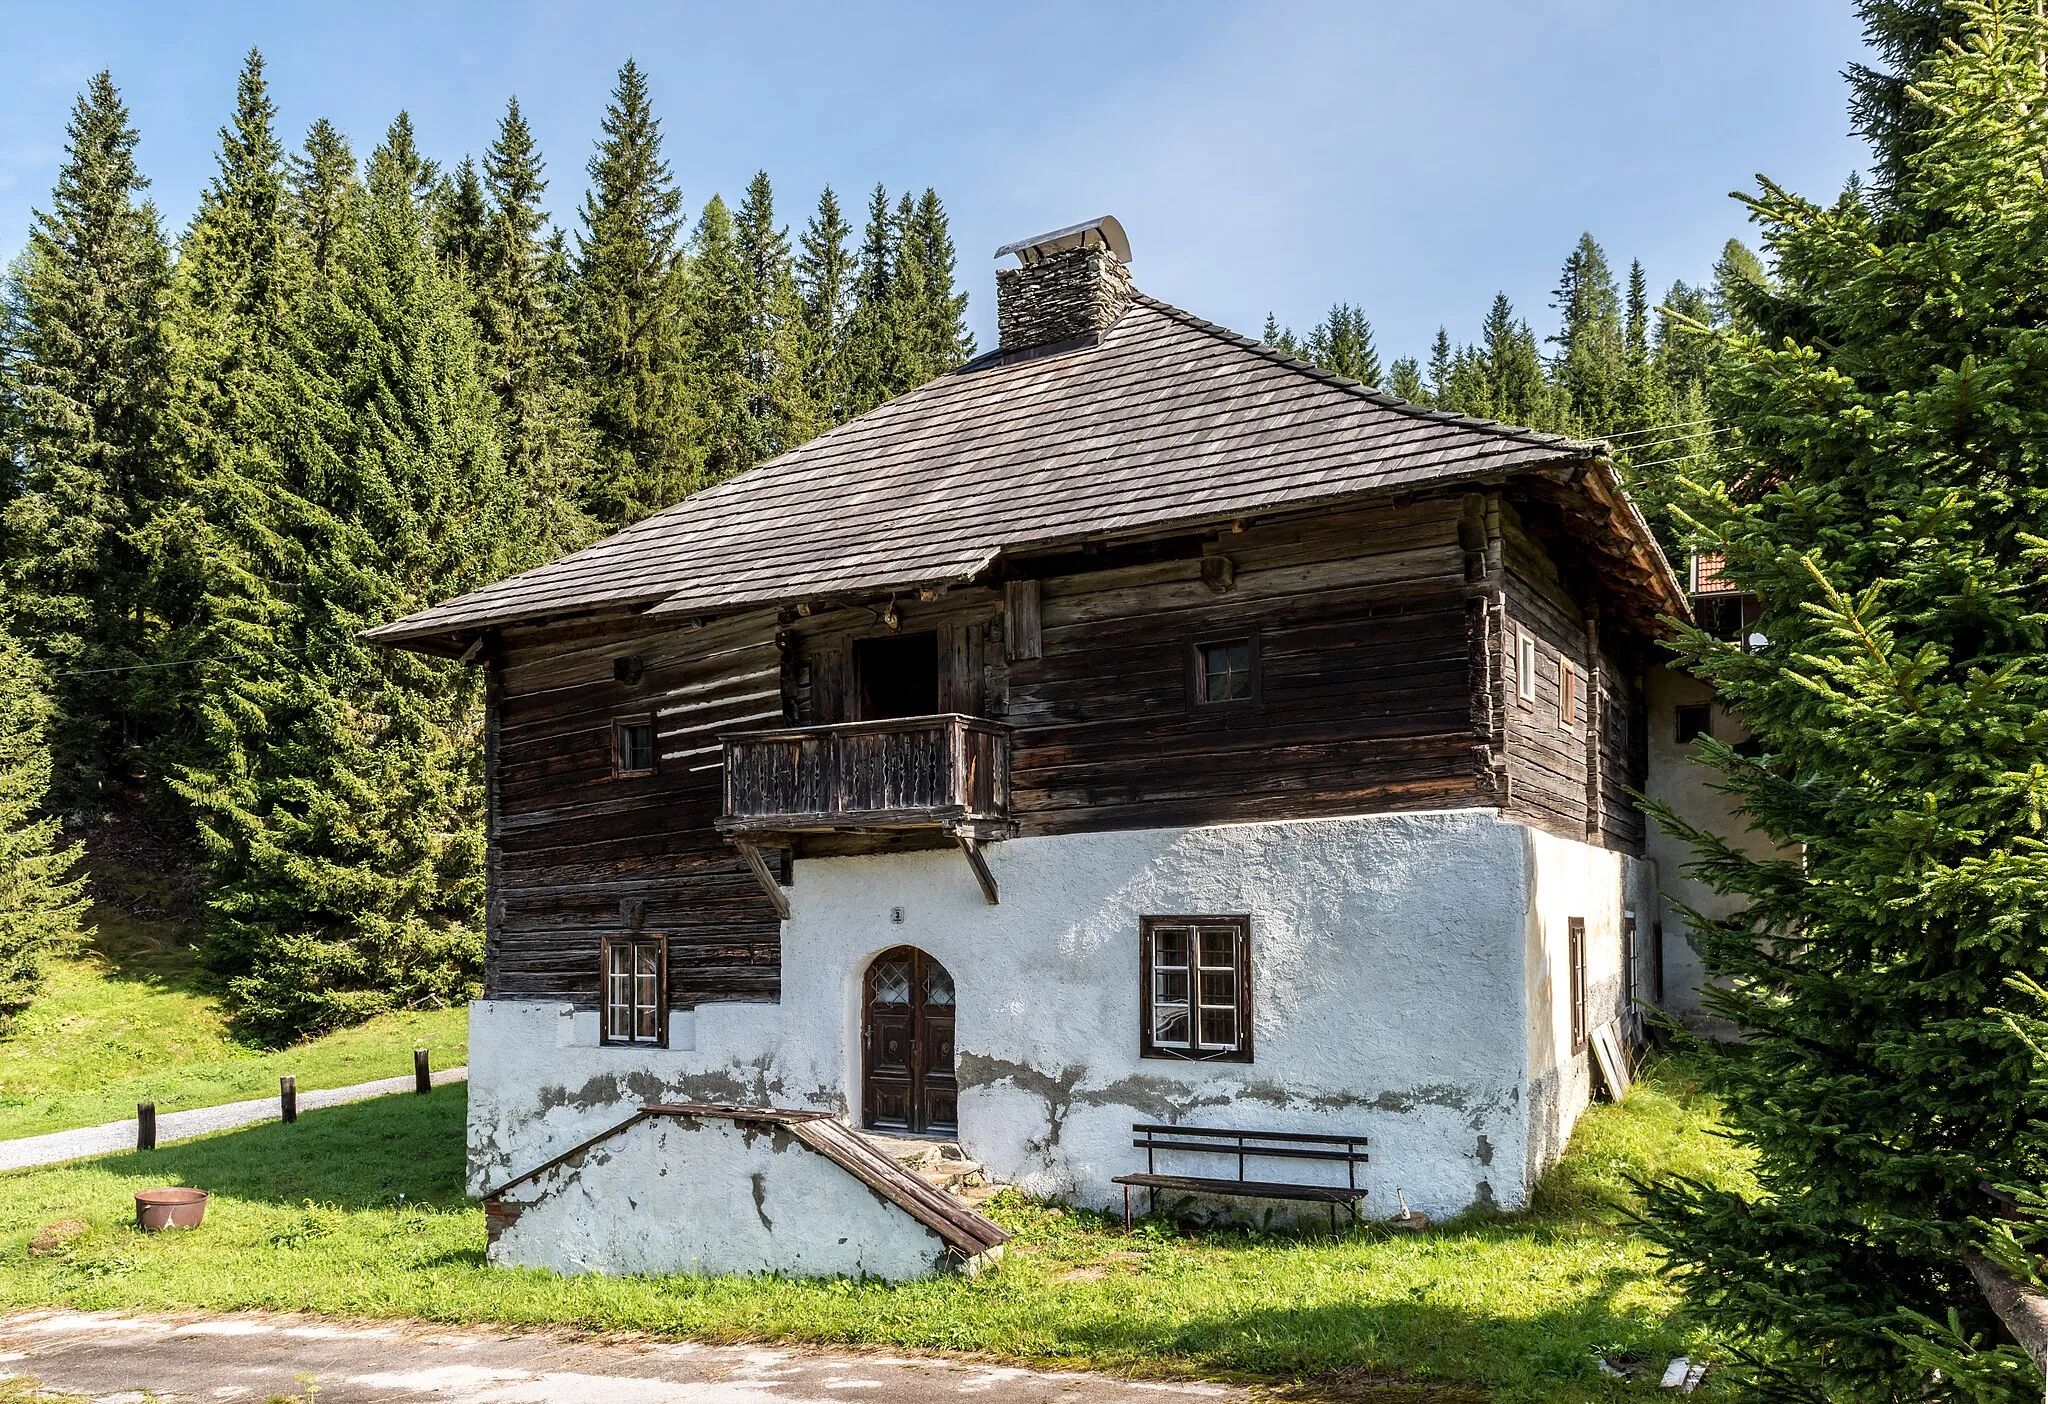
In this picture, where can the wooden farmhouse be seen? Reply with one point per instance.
(1136, 725)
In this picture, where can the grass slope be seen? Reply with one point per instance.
(124, 1020)
(359, 1211)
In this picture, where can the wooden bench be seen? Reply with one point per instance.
(1211, 1140)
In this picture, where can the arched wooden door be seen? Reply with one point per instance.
(907, 1081)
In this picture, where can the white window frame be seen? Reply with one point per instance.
(1525, 665)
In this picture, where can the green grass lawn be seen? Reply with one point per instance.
(124, 1020)
(359, 1211)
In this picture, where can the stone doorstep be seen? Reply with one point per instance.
(940, 1164)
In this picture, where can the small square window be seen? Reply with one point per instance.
(1196, 994)
(633, 748)
(635, 971)
(1695, 722)
(1525, 667)
(1226, 671)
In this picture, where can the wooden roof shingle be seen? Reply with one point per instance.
(1167, 419)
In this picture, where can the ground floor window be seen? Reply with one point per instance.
(1195, 994)
(1575, 930)
(635, 970)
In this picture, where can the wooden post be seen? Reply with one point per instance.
(288, 1099)
(145, 1126)
(422, 1079)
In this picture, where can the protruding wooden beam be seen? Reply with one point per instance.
(769, 887)
(971, 846)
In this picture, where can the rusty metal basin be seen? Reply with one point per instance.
(169, 1208)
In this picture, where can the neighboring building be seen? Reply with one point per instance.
(1134, 725)
(1684, 708)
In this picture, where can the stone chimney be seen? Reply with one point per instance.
(1074, 283)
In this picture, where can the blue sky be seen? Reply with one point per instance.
(1409, 158)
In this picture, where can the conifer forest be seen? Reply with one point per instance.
(358, 383)
(354, 385)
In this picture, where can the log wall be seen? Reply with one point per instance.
(1384, 638)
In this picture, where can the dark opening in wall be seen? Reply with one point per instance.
(899, 677)
(1695, 722)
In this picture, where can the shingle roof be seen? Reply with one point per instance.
(1167, 419)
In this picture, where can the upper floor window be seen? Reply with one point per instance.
(634, 970)
(1695, 721)
(633, 748)
(1226, 670)
(1567, 692)
(1525, 667)
(1196, 992)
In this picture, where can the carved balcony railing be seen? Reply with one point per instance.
(948, 772)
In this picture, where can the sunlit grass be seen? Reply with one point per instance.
(123, 1020)
(359, 1211)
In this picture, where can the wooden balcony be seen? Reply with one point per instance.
(949, 774)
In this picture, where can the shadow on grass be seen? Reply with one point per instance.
(1343, 1350)
(357, 1156)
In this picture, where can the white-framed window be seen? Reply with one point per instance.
(1525, 666)
(634, 1002)
(1197, 993)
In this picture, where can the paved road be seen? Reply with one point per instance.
(58, 1146)
(253, 1356)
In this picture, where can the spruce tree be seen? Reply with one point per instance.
(1515, 389)
(1283, 339)
(1440, 370)
(938, 321)
(1684, 352)
(520, 301)
(1904, 34)
(870, 350)
(631, 316)
(339, 793)
(460, 219)
(1886, 497)
(729, 439)
(1342, 342)
(326, 193)
(824, 283)
(1591, 363)
(1405, 380)
(773, 342)
(40, 901)
(86, 375)
(1646, 443)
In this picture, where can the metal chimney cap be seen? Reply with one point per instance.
(1105, 230)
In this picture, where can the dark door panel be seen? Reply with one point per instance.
(907, 1079)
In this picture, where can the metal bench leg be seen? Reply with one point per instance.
(1127, 1208)
(1333, 1216)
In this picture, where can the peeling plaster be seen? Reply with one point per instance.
(1402, 979)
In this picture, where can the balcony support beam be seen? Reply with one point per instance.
(971, 846)
(777, 898)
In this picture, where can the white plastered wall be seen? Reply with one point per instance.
(1571, 879)
(1389, 993)
(1679, 780)
(704, 1195)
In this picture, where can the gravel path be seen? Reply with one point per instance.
(248, 1356)
(59, 1146)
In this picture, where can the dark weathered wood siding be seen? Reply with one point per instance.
(1385, 641)
(1571, 780)
(573, 845)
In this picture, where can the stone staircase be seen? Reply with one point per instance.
(940, 1164)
